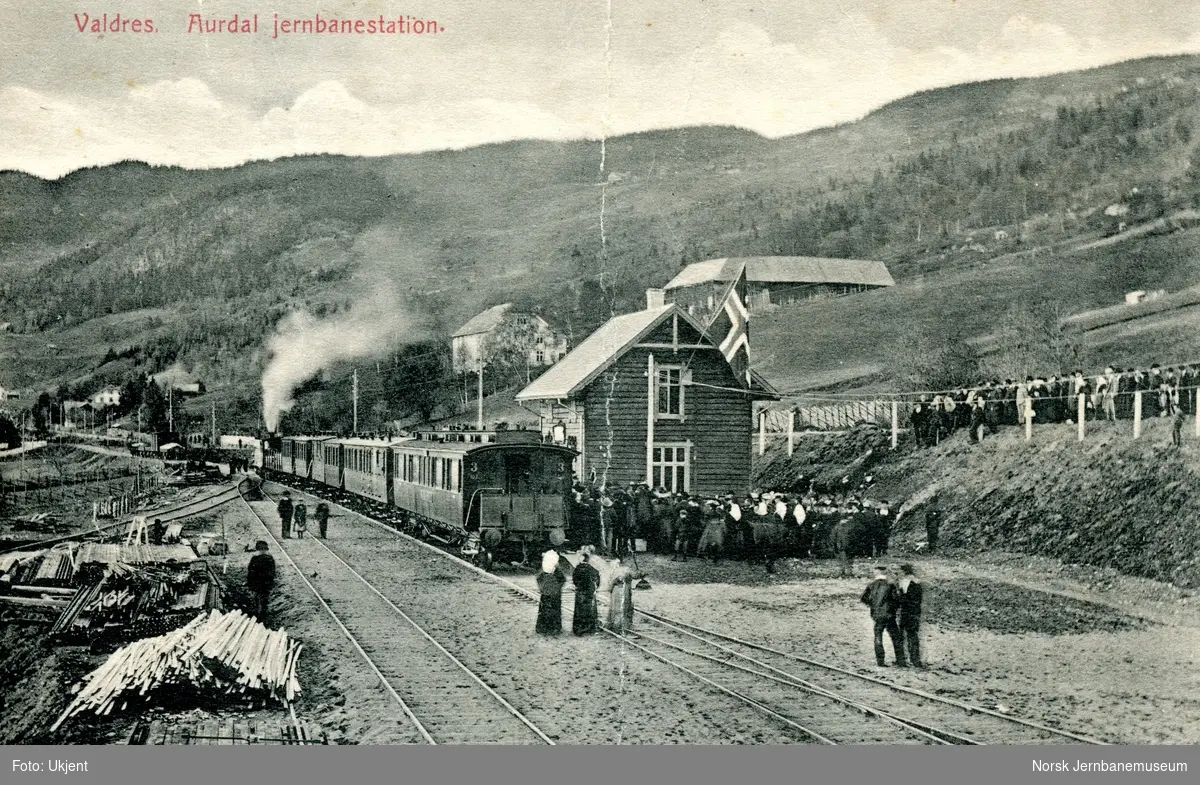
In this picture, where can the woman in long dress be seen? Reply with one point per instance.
(620, 605)
(587, 580)
(550, 584)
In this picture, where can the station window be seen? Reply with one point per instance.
(669, 466)
(669, 391)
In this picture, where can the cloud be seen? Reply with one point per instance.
(184, 123)
(773, 74)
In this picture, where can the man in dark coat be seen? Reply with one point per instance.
(911, 596)
(933, 525)
(322, 516)
(883, 598)
(978, 421)
(260, 578)
(587, 582)
(285, 515)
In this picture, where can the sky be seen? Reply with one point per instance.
(508, 69)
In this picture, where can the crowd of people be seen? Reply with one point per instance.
(1168, 392)
(635, 517)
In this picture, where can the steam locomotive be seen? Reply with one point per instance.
(494, 494)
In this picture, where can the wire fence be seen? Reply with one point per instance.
(930, 423)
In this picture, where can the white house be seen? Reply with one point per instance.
(109, 396)
(469, 342)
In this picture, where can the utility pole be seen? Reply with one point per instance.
(214, 425)
(355, 393)
(479, 415)
(171, 409)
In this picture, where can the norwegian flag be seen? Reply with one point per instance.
(729, 325)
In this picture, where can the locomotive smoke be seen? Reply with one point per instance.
(304, 345)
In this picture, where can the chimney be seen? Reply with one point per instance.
(655, 298)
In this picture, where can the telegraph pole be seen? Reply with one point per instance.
(355, 393)
(479, 415)
(214, 425)
(171, 408)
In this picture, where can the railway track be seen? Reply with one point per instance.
(814, 700)
(441, 699)
(166, 515)
(954, 721)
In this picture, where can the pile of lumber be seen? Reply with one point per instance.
(228, 654)
(124, 602)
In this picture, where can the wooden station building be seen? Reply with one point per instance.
(649, 397)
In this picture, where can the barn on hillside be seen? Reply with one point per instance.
(649, 397)
(774, 280)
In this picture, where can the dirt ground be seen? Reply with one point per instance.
(1080, 648)
(1019, 635)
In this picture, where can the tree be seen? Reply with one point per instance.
(507, 350)
(43, 410)
(929, 360)
(1033, 341)
(10, 434)
(419, 379)
(156, 407)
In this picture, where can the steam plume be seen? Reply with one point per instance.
(304, 345)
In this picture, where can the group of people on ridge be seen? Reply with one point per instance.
(1169, 392)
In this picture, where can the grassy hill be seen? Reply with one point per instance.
(166, 266)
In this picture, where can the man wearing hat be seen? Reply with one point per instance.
(260, 578)
(883, 597)
(285, 515)
(911, 595)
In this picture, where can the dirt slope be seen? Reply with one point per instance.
(1109, 501)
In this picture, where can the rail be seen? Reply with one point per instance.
(459, 664)
(927, 731)
(170, 514)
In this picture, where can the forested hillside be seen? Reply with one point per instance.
(164, 266)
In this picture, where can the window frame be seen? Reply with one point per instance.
(662, 468)
(683, 377)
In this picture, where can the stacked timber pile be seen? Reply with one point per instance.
(35, 585)
(217, 654)
(123, 602)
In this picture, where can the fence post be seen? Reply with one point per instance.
(762, 432)
(1082, 416)
(1137, 414)
(791, 430)
(1028, 420)
(895, 425)
(1196, 408)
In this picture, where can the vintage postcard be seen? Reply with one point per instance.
(600, 373)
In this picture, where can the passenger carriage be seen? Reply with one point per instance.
(500, 494)
(366, 467)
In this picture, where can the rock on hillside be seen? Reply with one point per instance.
(1110, 501)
